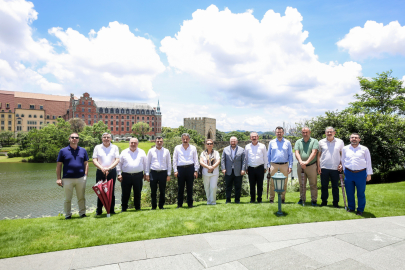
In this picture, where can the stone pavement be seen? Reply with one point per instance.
(375, 243)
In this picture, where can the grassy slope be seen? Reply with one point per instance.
(30, 236)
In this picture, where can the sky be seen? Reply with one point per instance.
(251, 65)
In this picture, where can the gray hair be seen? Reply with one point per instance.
(306, 128)
(106, 133)
(254, 132)
(327, 128)
(185, 134)
(232, 138)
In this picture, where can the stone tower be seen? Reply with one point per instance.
(203, 125)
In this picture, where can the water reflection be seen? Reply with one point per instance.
(30, 190)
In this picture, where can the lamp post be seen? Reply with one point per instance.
(279, 180)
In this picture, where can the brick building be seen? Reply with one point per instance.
(31, 110)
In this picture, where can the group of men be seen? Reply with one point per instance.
(327, 157)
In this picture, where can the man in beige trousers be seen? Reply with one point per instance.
(306, 153)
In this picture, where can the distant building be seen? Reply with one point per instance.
(21, 111)
(203, 125)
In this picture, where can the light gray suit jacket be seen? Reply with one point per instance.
(238, 162)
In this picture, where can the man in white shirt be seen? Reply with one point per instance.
(329, 156)
(105, 158)
(158, 170)
(256, 162)
(356, 163)
(185, 167)
(130, 173)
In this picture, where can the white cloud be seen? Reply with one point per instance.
(374, 40)
(109, 62)
(255, 63)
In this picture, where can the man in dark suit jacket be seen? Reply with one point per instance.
(233, 164)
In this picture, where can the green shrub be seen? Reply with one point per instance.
(24, 153)
(13, 153)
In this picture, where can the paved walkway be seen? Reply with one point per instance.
(375, 243)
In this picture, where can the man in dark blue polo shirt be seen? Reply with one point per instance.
(75, 166)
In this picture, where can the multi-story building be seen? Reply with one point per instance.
(22, 111)
(118, 116)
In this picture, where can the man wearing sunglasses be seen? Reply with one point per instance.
(75, 167)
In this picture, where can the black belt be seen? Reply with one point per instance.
(311, 164)
(132, 173)
(280, 163)
(158, 171)
(185, 166)
(257, 166)
(356, 171)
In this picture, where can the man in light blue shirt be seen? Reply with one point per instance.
(280, 158)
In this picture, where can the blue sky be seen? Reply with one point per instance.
(250, 64)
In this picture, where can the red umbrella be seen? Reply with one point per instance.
(104, 191)
(303, 182)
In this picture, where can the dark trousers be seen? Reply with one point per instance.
(158, 178)
(101, 176)
(355, 181)
(333, 175)
(185, 178)
(130, 181)
(256, 176)
(230, 180)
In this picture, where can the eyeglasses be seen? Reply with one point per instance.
(209, 143)
(74, 137)
(104, 138)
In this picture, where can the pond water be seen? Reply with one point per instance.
(29, 190)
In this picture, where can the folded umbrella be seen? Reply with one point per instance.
(98, 189)
(303, 182)
(108, 191)
(342, 184)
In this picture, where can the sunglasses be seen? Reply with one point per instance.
(209, 143)
(74, 137)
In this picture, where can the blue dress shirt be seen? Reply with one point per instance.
(280, 152)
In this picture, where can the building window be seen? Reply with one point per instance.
(127, 116)
(17, 115)
(112, 117)
(22, 115)
(147, 118)
(116, 128)
(106, 122)
(19, 106)
(2, 122)
(122, 128)
(89, 116)
(89, 122)
(82, 109)
(152, 112)
(40, 123)
(119, 118)
(89, 110)
(117, 111)
(100, 110)
(47, 117)
(143, 112)
(132, 111)
(47, 122)
(82, 116)
(106, 117)
(29, 116)
(147, 111)
(53, 123)
(111, 110)
(111, 128)
(32, 106)
(7, 105)
(82, 102)
(137, 118)
(127, 123)
(137, 111)
(95, 116)
(112, 122)
(54, 117)
(89, 102)
(77, 116)
(2, 116)
(41, 116)
(117, 122)
(19, 128)
(127, 128)
(143, 118)
(18, 122)
(127, 111)
(153, 129)
(122, 111)
(133, 117)
(41, 107)
(153, 123)
(35, 116)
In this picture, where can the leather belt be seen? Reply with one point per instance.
(185, 166)
(257, 166)
(280, 163)
(356, 171)
(311, 164)
(158, 171)
(132, 173)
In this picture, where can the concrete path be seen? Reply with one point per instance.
(375, 243)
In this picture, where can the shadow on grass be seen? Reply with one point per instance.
(283, 215)
(368, 215)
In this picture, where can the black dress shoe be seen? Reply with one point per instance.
(349, 210)
(313, 203)
(123, 210)
(237, 202)
(82, 216)
(324, 204)
(153, 208)
(113, 213)
(178, 206)
(68, 217)
(252, 202)
(299, 202)
(271, 201)
(190, 206)
(359, 213)
(283, 201)
(336, 206)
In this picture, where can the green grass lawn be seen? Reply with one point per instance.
(5, 159)
(38, 235)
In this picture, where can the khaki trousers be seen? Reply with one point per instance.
(273, 170)
(80, 185)
(311, 174)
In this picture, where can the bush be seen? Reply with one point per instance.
(13, 153)
(24, 153)
(388, 177)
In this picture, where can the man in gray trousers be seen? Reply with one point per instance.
(233, 164)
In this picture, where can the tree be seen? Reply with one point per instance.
(219, 136)
(77, 124)
(383, 94)
(140, 129)
(6, 138)
(241, 136)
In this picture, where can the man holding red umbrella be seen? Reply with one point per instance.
(105, 158)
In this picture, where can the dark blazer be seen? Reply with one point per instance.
(238, 162)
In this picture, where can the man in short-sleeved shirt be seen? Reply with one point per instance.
(305, 152)
(329, 152)
(75, 166)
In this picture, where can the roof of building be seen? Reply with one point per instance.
(123, 105)
(6, 92)
(41, 96)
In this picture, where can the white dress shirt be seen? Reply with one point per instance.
(330, 153)
(205, 170)
(356, 158)
(132, 162)
(158, 160)
(183, 157)
(106, 155)
(256, 155)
